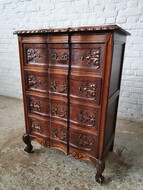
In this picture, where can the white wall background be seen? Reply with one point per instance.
(36, 14)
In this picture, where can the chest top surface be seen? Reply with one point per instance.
(103, 28)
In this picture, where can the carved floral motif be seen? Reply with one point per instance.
(53, 86)
(61, 136)
(86, 119)
(33, 81)
(76, 154)
(35, 104)
(92, 58)
(31, 54)
(85, 140)
(88, 90)
(60, 113)
(55, 57)
(36, 125)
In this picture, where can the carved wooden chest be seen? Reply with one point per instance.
(71, 83)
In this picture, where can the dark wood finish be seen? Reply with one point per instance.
(27, 141)
(89, 57)
(36, 55)
(38, 105)
(71, 83)
(85, 90)
(86, 142)
(84, 117)
(36, 81)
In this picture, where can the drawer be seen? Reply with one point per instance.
(58, 133)
(57, 38)
(87, 57)
(39, 126)
(59, 109)
(58, 86)
(35, 55)
(83, 141)
(84, 117)
(58, 137)
(58, 56)
(88, 38)
(85, 90)
(38, 105)
(36, 81)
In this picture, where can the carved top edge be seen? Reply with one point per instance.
(74, 29)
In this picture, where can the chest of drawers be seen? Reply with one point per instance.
(71, 83)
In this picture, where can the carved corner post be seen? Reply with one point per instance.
(100, 168)
(27, 141)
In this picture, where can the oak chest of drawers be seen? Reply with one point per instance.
(71, 83)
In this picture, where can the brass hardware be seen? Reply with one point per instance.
(64, 135)
(55, 133)
(65, 57)
(54, 56)
(63, 87)
(54, 111)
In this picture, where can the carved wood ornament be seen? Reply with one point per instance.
(35, 104)
(59, 113)
(54, 88)
(85, 140)
(64, 58)
(36, 126)
(33, 82)
(76, 154)
(31, 54)
(86, 119)
(88, 90)
(92, 57)
(59, 135)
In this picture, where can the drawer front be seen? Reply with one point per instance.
(57, 38)
(36, 54)
(88, 38)
(58, 109)
(38, 105)
(83, 141)
(58, 56)
(39, 126)
(83, 117)
(58, 133)
(36, 81)
(58, 112)
(85, 90)
(58, 137)
(87, 57)
(58, 86)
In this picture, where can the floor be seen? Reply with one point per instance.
(48, 169)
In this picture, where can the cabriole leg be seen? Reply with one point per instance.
(100, 168)
(111, 148)
(27, 141)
